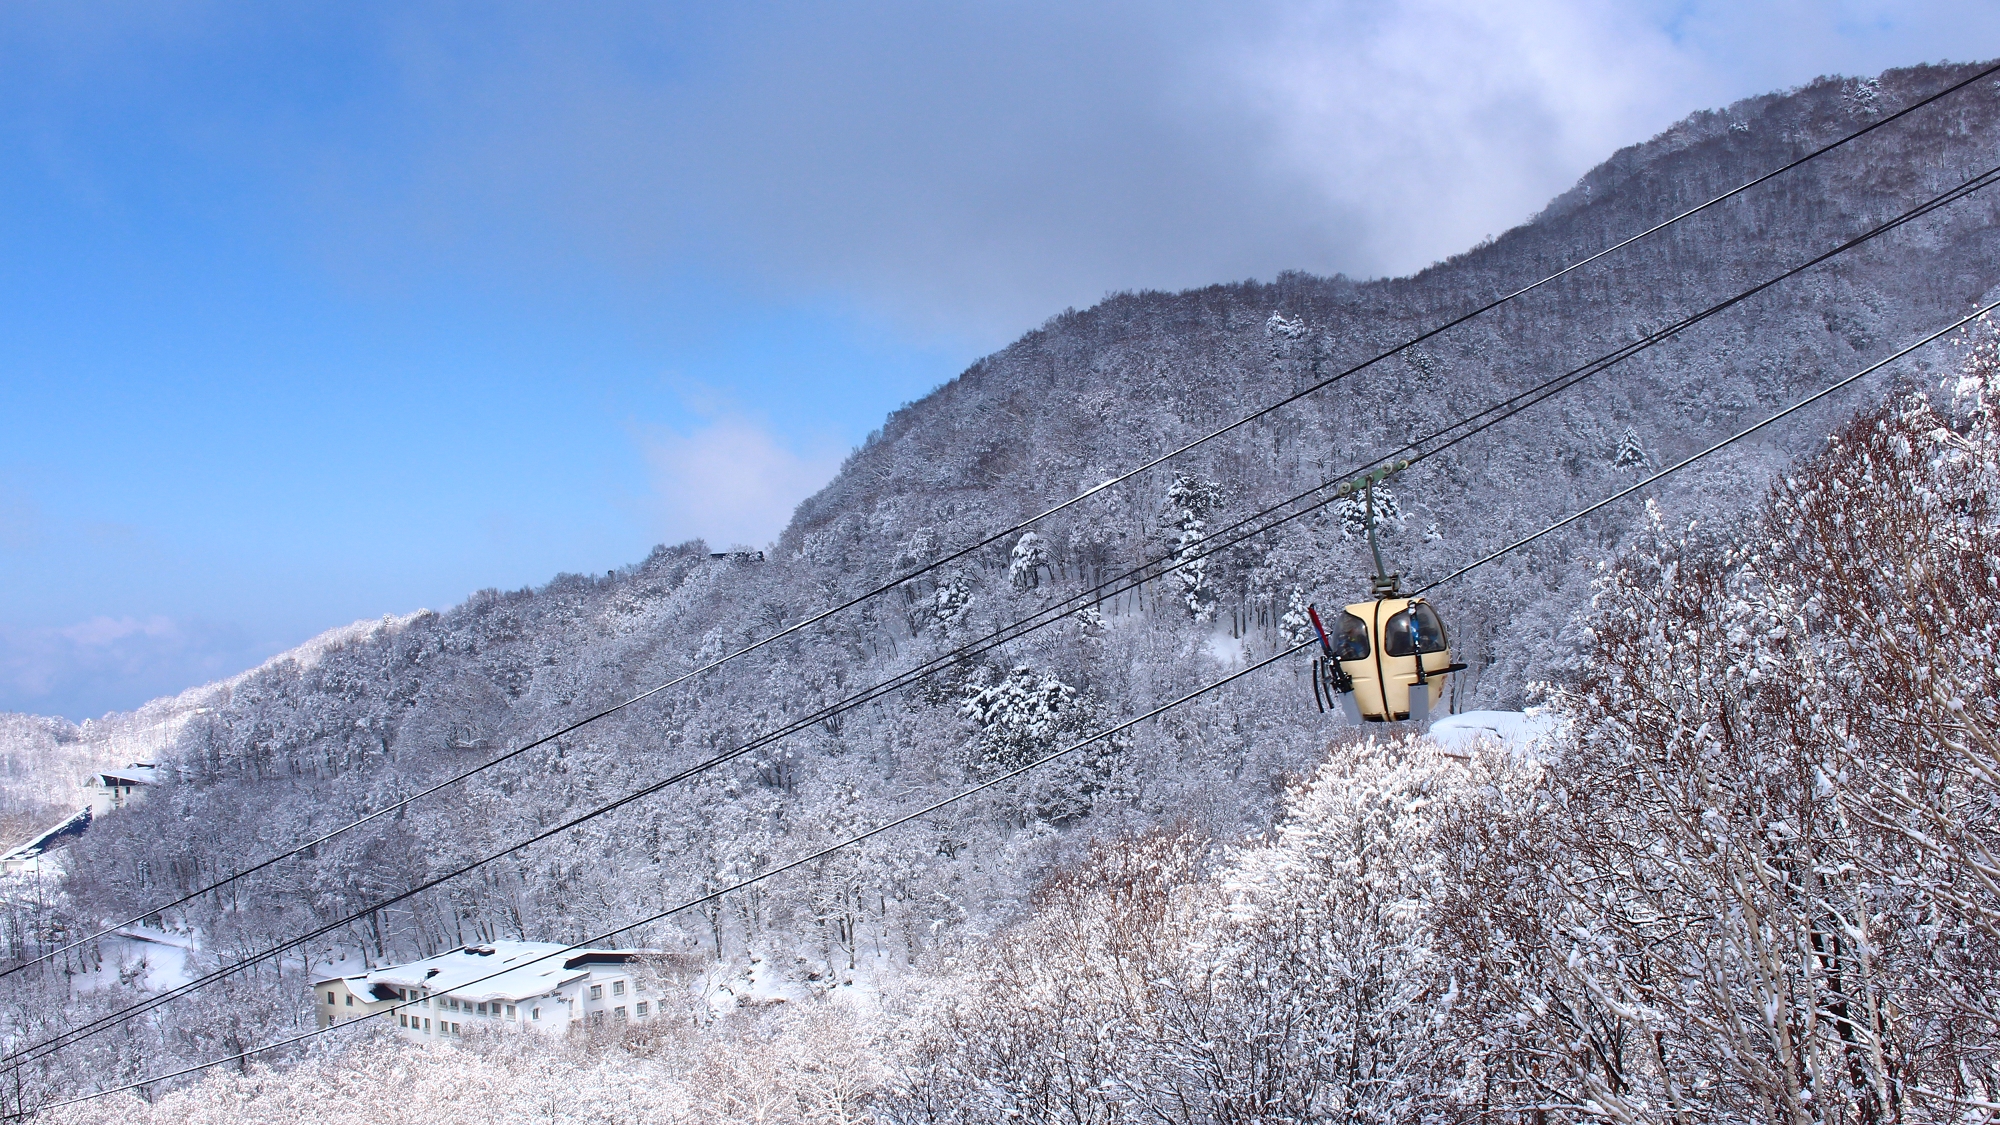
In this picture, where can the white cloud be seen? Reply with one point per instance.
(989, 169)
(1429, 124)
(104, 633)
(730, 482)
(976, 168)
(87, 668)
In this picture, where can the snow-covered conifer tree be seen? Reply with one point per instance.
(1030, 555)
(1027, 715)
(1024, 716)
(1190, 503)
(1353, 512)
(951, 600)
(1295, 628)
(1631, 454)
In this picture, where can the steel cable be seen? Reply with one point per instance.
(1009, 775)
(962, 552)
(1137, 576)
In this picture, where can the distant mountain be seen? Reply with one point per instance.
(46, 761)
(308, 741)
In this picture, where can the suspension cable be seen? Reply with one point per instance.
(1009, 775)
(1730, 440)
(1544, 391)
(1022, 627)
(767, 873)
(885, 587)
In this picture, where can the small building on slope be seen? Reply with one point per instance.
(115, 789)
(29, 856)
(109, 791)
(508, 985)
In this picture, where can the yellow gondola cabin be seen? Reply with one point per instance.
(1385, 661)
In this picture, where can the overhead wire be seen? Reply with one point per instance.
(962, 552)
(711, 896)
(936, 806)
(1546, 390)
(1728, 441)
(1221, 540)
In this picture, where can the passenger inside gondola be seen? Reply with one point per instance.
(1414, 630)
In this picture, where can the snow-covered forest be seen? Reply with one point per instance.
(1748, 878)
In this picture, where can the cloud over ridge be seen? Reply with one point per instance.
(729, 481)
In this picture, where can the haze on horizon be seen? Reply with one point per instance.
(316, 317)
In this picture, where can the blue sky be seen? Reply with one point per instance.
(309, 314)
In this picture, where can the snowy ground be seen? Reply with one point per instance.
(165, 956)
(1511, 730)
(1228, 651)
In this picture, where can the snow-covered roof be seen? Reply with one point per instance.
(357, 983)
(74, 825)
(138, 773)
(504, 970)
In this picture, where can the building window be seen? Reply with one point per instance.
(510, 1011)
(427, 1026)
(597, 992)
(350, 1001)
(619, 1011)
(454, 1030)
(597, 1019)
(402, 1020)
(537, 1013)
(617, 988)
(452, 1003)
(639, 1009)
(481, 1009)
(329, 997)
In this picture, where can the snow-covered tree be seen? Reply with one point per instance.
(1765, 888)
(1024, 716)
(950, 601)
(1631, 453)
(1027, 715)
(1190, 503)
(1353, 513)
(1030, 555)
(1296, 628)
(1299, 979)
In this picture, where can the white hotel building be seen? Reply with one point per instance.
(516, 985)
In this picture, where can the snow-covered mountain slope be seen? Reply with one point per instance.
(301, 745)
(46, 761)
